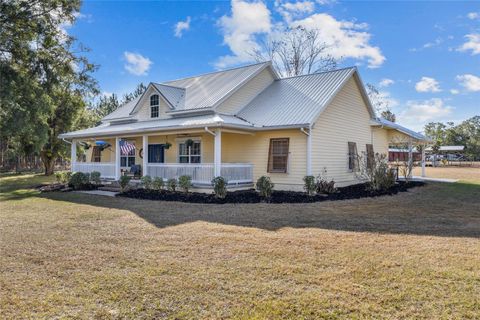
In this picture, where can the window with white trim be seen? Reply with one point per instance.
(154, 106)
(189, 154)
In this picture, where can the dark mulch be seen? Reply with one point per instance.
(251, 196)
(67, 187)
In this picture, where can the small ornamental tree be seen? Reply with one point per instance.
(265, 186)
(376, 172)
(220, 187)
(185, 182)
(309, 185)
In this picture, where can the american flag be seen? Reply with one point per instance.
(126, 147)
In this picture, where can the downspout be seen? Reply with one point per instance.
(210, 131)
(309, 148)
(66, 141)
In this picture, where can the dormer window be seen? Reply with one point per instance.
(154, 106)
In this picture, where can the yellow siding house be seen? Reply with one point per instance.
(241, 124)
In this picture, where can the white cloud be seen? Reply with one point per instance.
(472, 43)
(427, 84)
(347, 39)
(136, 64)
(239, 30)
(469, 82)
(454, 91)
(249, 20)
(386, 82)
(473, 15)
(418, 113)
(182, 26)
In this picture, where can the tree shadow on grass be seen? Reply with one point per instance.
(446, 210)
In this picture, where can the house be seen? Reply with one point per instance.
(241, 124)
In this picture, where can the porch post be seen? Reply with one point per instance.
(73, 155)
(117, 158)
(218, 153)
(410, 157)
(309, 151)
(145, 155)
(423, 160)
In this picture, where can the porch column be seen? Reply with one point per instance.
(423, 160)
(309, 151)
(145, 155)
(217, 158)
(410, 157)
(73, 155)
(117, 158)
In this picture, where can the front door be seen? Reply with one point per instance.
(156, 153)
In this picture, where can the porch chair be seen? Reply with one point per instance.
(135, 171)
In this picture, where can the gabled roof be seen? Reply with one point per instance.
(207, 90)
(123, 111)
(297, 100)
(174, 95)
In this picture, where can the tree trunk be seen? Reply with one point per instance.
(48, 163)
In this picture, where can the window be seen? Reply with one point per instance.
(278, 155)
(96, 154)
(370, 156)
(352, 156)
(155, 153)
(154, 106)
(190, 154)
(127, 153)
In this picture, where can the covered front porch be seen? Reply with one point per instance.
(168, 155)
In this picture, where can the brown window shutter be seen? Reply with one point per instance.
(278, 155)
(370, 156)
(96, 154)
(352, 156)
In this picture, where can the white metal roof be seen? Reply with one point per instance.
(295, 100)
(205, 91)
(447, 148)
(214, 120)
(123, 111)
(174, 95)
(396, 126)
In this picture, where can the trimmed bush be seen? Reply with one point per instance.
(324, 186)
(95, 177)
(123, 181)
(185, 182)
(78, 180)
(66, 176)
(265, 186)
(220, 187)
(309, 185)
(146, 182)
(59, 176)
(171, 184)
(157, 183)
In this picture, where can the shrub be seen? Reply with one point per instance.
(157, 183)
(309, 185)
(59, 177)
(172, 184)
(78, 180)
(146, 182)
(220, 187)
(66, 176)
(378, 175)
(185, 182)
(323, 184)
(264, 186)
(124, 180)
(95, 177)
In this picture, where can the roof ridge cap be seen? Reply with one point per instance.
(317, 73)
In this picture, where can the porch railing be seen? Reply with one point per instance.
(203, 173)
(106, 169)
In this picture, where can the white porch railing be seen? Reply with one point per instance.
(202, 173)
(106, 169)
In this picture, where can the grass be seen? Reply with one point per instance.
(70, 255)
(465, 174)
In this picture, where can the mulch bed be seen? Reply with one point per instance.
(65, 187)
(251, 196)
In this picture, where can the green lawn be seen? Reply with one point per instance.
(70, 255)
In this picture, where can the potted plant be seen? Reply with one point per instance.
(85, 145)
(167, 145)
(104, 146)
(189, 143)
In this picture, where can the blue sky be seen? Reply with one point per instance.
(424, 56)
